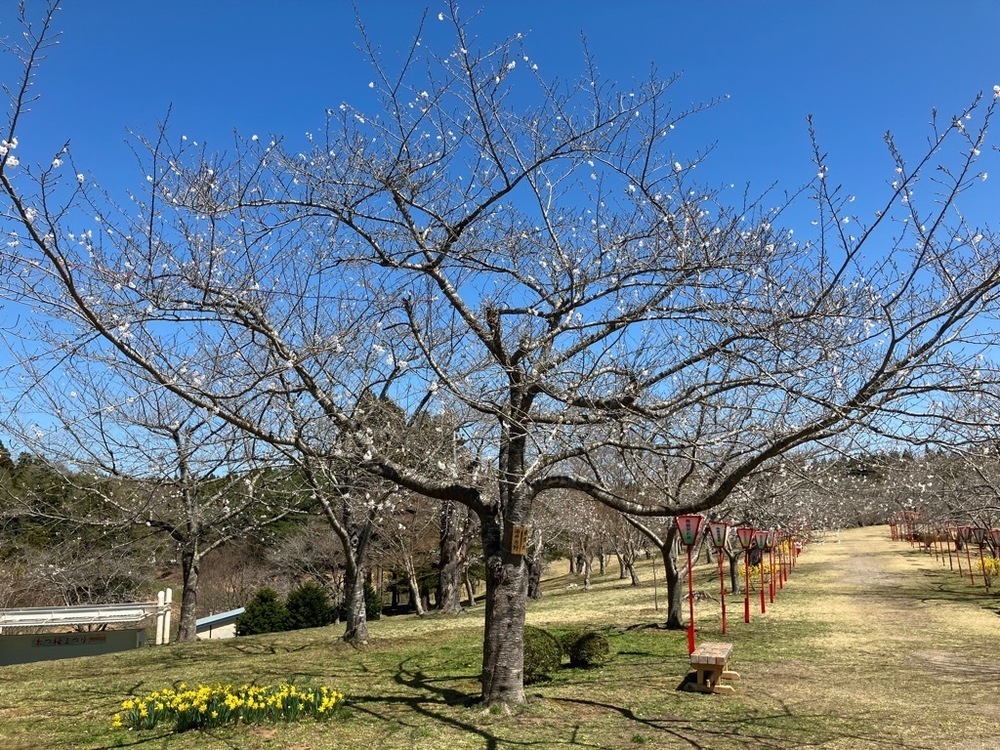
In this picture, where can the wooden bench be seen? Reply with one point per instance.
(711, 662)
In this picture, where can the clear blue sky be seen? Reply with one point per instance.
(269, 66)
(264, 66)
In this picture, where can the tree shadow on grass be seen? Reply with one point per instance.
(136, 741)
(431, 697)
(671, 726)
(756, 731)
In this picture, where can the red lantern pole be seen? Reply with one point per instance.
(980, 535)
(746, 539)
(955, 535)
(770, 559)
(783, 560)
(688, 525)
(761, 536)
(947, 546)
(690, 604)
(718, 533)
(966, 534)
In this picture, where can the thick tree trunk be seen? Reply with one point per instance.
(450, 559)
(622, 571)
(587, 566)
(470, 589)
(734, 571)
(187, 622)
(414, 587)
(356, 617)
(675, 602)
(503, 639)
(633, 574)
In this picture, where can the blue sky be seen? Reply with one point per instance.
(270, 67)
(263, 66)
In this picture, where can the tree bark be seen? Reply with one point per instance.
(622, 570)
(675, 602)
(633, 574)
(451, 559)
(503, 638)
(734, 571)
(187, 622)
(470, 589)
(536, 564)
(414, 587)
(356, 617)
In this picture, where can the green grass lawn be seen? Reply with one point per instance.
(872, 644)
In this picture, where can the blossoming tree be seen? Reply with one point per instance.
(481, 239)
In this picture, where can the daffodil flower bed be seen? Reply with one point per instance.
(206, 706)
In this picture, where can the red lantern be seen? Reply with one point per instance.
(747, 540)
(719, 533)
(688, 526)
(746, 537)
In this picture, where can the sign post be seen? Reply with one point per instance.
(719, 533)
(781, 542)
(772, 537)
(689, 525)
(979, 534)
(761, 535)
(955, 537)
(747, 540)
(966, 533)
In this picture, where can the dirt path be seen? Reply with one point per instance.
(906, 652)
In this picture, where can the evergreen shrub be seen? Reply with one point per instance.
(309, 607)
(542, 654)
(265, 613)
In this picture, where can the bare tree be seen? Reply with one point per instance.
(534, 253)
(140, 457)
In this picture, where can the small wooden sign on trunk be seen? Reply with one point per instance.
(517, 539)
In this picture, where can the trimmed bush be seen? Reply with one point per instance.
(309, 607)
(265, 613)
(589, 650)
(542, 654)
(566, 640)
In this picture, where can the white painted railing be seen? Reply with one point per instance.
(93, 614)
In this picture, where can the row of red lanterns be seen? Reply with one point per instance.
(910, 520)
(749, 539)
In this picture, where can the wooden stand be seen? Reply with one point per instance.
(711, 661)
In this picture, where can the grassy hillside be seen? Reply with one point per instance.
(872, 644)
